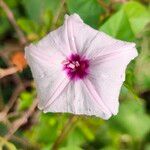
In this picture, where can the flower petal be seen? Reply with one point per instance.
(53, 95)
(108, 74)
(77, 99)
(80, 35)
(45, 62)
(90, 42)
(104, 46)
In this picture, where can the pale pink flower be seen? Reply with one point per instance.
(79, 70)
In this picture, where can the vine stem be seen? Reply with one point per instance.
(12, 20)
(8, 71)
(21, 121)
(104, 5)
(64, 132)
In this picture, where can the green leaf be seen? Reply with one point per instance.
(52, 5)
(147, 147)
(36, 8)
(27, 25)
(89, 10)
(127, 22)
(3, 129)
(131, 119)
(74, 141)
(86, 131)
(138, 16)
(143, 62)
(70, 147)
(4, 25)
(45, 132)
(33, 9)
(130, 90)
(76, 138)
(118, 26)
(26, 99)
(108, 148)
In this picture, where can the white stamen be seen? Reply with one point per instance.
(72, 66)
(77, 64)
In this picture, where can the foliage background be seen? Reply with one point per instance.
(24, 127)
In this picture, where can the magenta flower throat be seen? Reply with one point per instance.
(76, 66)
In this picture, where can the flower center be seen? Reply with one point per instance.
(76, 67)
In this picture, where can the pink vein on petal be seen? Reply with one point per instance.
(95, 96)
(107, 57)
(44, 59)
(114, 46)
(85, 49)
(61, 87)
(70, 36)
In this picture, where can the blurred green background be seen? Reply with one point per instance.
(129, 130)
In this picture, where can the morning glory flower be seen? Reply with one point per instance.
(79, 70)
